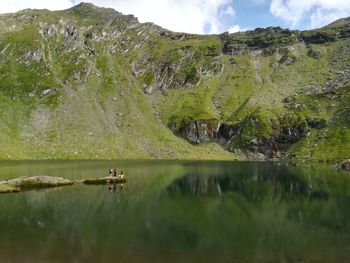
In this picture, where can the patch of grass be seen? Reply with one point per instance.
(333, 141)
(181, 106)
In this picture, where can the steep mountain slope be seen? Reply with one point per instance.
(89, 82)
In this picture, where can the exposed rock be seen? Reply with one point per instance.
(174, 35)
(47, 30)
(47, 92)
(343, 165)
(270, 38)
(181, 67)
(71, 31)
(317, 124)
(318, 36)
(147, 89)
(200, 131)
(289, 99)
(313, 53)
(228, 131)
(284, 133)
(38, 182)
(280, 141)
(256, 138)
(250, 155)
(6, 188)
(106, 180)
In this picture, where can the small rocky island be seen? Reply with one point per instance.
(106, 180)
(41, 182)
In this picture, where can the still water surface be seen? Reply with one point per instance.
(174, 211)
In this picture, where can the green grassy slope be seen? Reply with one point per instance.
(91, 83)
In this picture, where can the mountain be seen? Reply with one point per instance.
(90, 82)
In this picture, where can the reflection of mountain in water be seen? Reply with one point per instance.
(275, 181)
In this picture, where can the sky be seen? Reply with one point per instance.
(210, 16)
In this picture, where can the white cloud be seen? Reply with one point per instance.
(236, 28)
(229, 11)
(316, 13)
(191, 16)
(195, 16)
(10, 6)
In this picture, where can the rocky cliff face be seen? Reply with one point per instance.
(90, 82)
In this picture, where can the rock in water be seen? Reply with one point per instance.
(106, 180)
(343, 165)
(38, 182)
(6, 188)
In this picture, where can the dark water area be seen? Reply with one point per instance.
(178, 211)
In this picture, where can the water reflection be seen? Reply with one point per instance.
(113, 187)
(254, 187)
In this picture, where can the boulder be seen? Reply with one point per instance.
(199, 131)
(37, 182)
(343, 165)
(106, 180)
(6, 188)
(317, 124)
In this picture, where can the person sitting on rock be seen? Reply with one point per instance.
(115, 172)
(110, 172)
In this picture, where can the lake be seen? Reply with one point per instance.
(178, 211)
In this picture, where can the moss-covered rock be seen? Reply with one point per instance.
(38, 182)
(6, 188)
(260, 38)
(106, 180)
(198, 131)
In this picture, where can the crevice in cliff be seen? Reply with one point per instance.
(251, 138)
